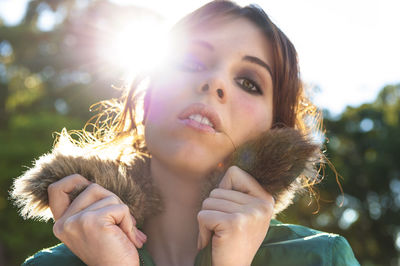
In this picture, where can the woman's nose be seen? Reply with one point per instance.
(216, 88)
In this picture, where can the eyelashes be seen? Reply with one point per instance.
(191, 64)
(249, 85)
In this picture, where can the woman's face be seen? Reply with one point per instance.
(214, 95)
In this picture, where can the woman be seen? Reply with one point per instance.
(234, 77)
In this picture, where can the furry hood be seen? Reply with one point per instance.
(278, 159)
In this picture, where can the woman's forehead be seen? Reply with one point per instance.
(234, 35)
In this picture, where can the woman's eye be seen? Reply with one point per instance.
(191, 65)
(249, 85)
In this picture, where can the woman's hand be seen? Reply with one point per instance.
(238, 212)
(96, 226)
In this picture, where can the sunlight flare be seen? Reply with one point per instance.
(140, 46)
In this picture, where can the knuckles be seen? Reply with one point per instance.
(238, 220)
(111, 200)
(202, 216)
(215, 192)
(74, 225)
(264, 205)
(114, 199)
(57, 229)
(261, 210)
(55, 187)
(86, 220)
(233, 170)
(258, 213)
(125, 208)
(52, 188)
(93, 188)
(206, 203)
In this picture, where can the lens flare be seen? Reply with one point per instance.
(140, 46)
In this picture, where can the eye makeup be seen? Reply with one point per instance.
(190, 63)
(247, 72)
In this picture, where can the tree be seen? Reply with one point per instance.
(48, 80)
(364, 146)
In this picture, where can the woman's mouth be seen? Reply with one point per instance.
(199, 122)
(201, 117)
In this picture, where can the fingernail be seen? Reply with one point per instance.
(139, 239)
(144, 237)
(136, 234)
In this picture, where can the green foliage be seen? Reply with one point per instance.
(27, 137)
(364, 146)
(48, 80)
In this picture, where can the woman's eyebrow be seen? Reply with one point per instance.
(248, 58)
(203, 44)
(257, 61)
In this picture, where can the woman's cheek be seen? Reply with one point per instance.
(251, 115)
(163, 97)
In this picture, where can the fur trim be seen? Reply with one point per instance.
(128, 179)
(277, 159)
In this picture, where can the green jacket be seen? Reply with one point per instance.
(284, 244)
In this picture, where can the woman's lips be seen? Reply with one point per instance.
(194, 124)
(205, 111)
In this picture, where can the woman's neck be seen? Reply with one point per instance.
(172, 235)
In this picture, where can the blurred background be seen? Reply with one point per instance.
(58, 57)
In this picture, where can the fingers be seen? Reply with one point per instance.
(89, 196)
(226, 213)
(58, 193)
(239, 180)
(95, 202)
(208, 222)
(221, 205)
(232, 195)
(100, 215)
(238, 200)
(118, 214)
(107, 201)
(129, 227)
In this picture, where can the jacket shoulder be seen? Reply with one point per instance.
(58, 255)
(289, 244)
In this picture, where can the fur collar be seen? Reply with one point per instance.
(279, 159)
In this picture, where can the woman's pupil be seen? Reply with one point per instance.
(247, 84)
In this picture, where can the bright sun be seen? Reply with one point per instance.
(140, 46)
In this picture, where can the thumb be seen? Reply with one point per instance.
(208, 221)
(118, 214)
(203, 238)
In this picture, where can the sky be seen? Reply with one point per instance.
(348, 50)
